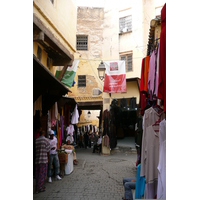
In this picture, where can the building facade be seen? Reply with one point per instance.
(54, 44)
(117, 31)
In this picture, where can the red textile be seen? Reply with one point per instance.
(162, 59)
(142, 76)
(143, 101)
(146, 73)
(144, 84)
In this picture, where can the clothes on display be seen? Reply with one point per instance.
(140, 184)
(75, 116)
(105, 141)
(150, 151)
(151, 76)
(153, 144)
(161, 190)
(70, 130)
(153, 70)
(162, 59)
(67, 114)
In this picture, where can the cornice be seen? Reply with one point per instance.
(80, 99)
(49, 21)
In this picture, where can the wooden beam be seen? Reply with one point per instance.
(64, 70)
(47, 32)
(38, 36)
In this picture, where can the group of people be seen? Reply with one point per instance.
(46, 156)
(90, 139)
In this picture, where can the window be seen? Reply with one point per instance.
(82, 42)
(82, 81)
(39, 53)
(52, 1)
(48, 62)
(125, 24)
(128, 62)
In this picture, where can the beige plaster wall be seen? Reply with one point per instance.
(60, 18)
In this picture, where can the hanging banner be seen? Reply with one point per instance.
(69, 75)
(68, 78)
(115, 77)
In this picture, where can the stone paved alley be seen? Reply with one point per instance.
(96, 177)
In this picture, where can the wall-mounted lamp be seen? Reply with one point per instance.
(101, 70)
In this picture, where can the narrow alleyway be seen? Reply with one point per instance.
(96, 177)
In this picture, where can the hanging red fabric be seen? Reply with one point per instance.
(162, 59)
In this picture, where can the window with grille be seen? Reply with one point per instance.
(82, 42)
(128, 62)
(39, 53)
(125, 24)
(82, 81)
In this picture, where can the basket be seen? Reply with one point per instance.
(63, 158)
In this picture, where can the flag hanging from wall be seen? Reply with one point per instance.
(115, 77)
(69, 75)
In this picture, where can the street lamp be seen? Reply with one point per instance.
(101, 70)
(89, 114)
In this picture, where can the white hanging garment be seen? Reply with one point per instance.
(75, 116)
(161, 190)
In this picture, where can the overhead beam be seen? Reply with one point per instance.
(38, 35)
(64, 70)
(56, 42)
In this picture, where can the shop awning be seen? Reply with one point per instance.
(66, 100)
(45, 84)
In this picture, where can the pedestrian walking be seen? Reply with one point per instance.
(42, 147)
(53, 157)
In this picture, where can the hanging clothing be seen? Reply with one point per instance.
(152, 154)
(61, 124)
(161, 190)
(140, 184)
(75, 116)
(146, 73)
(132, 103)
(142, 76)
(59, 137)
(150, 117)
(151, 76)
(157, 71)
(143, 102)
(144, 84)
(151, 190)
(162, 59)
(123, 104)
(70, 130)
(105, 141)
(67, 115)
(56, 110)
